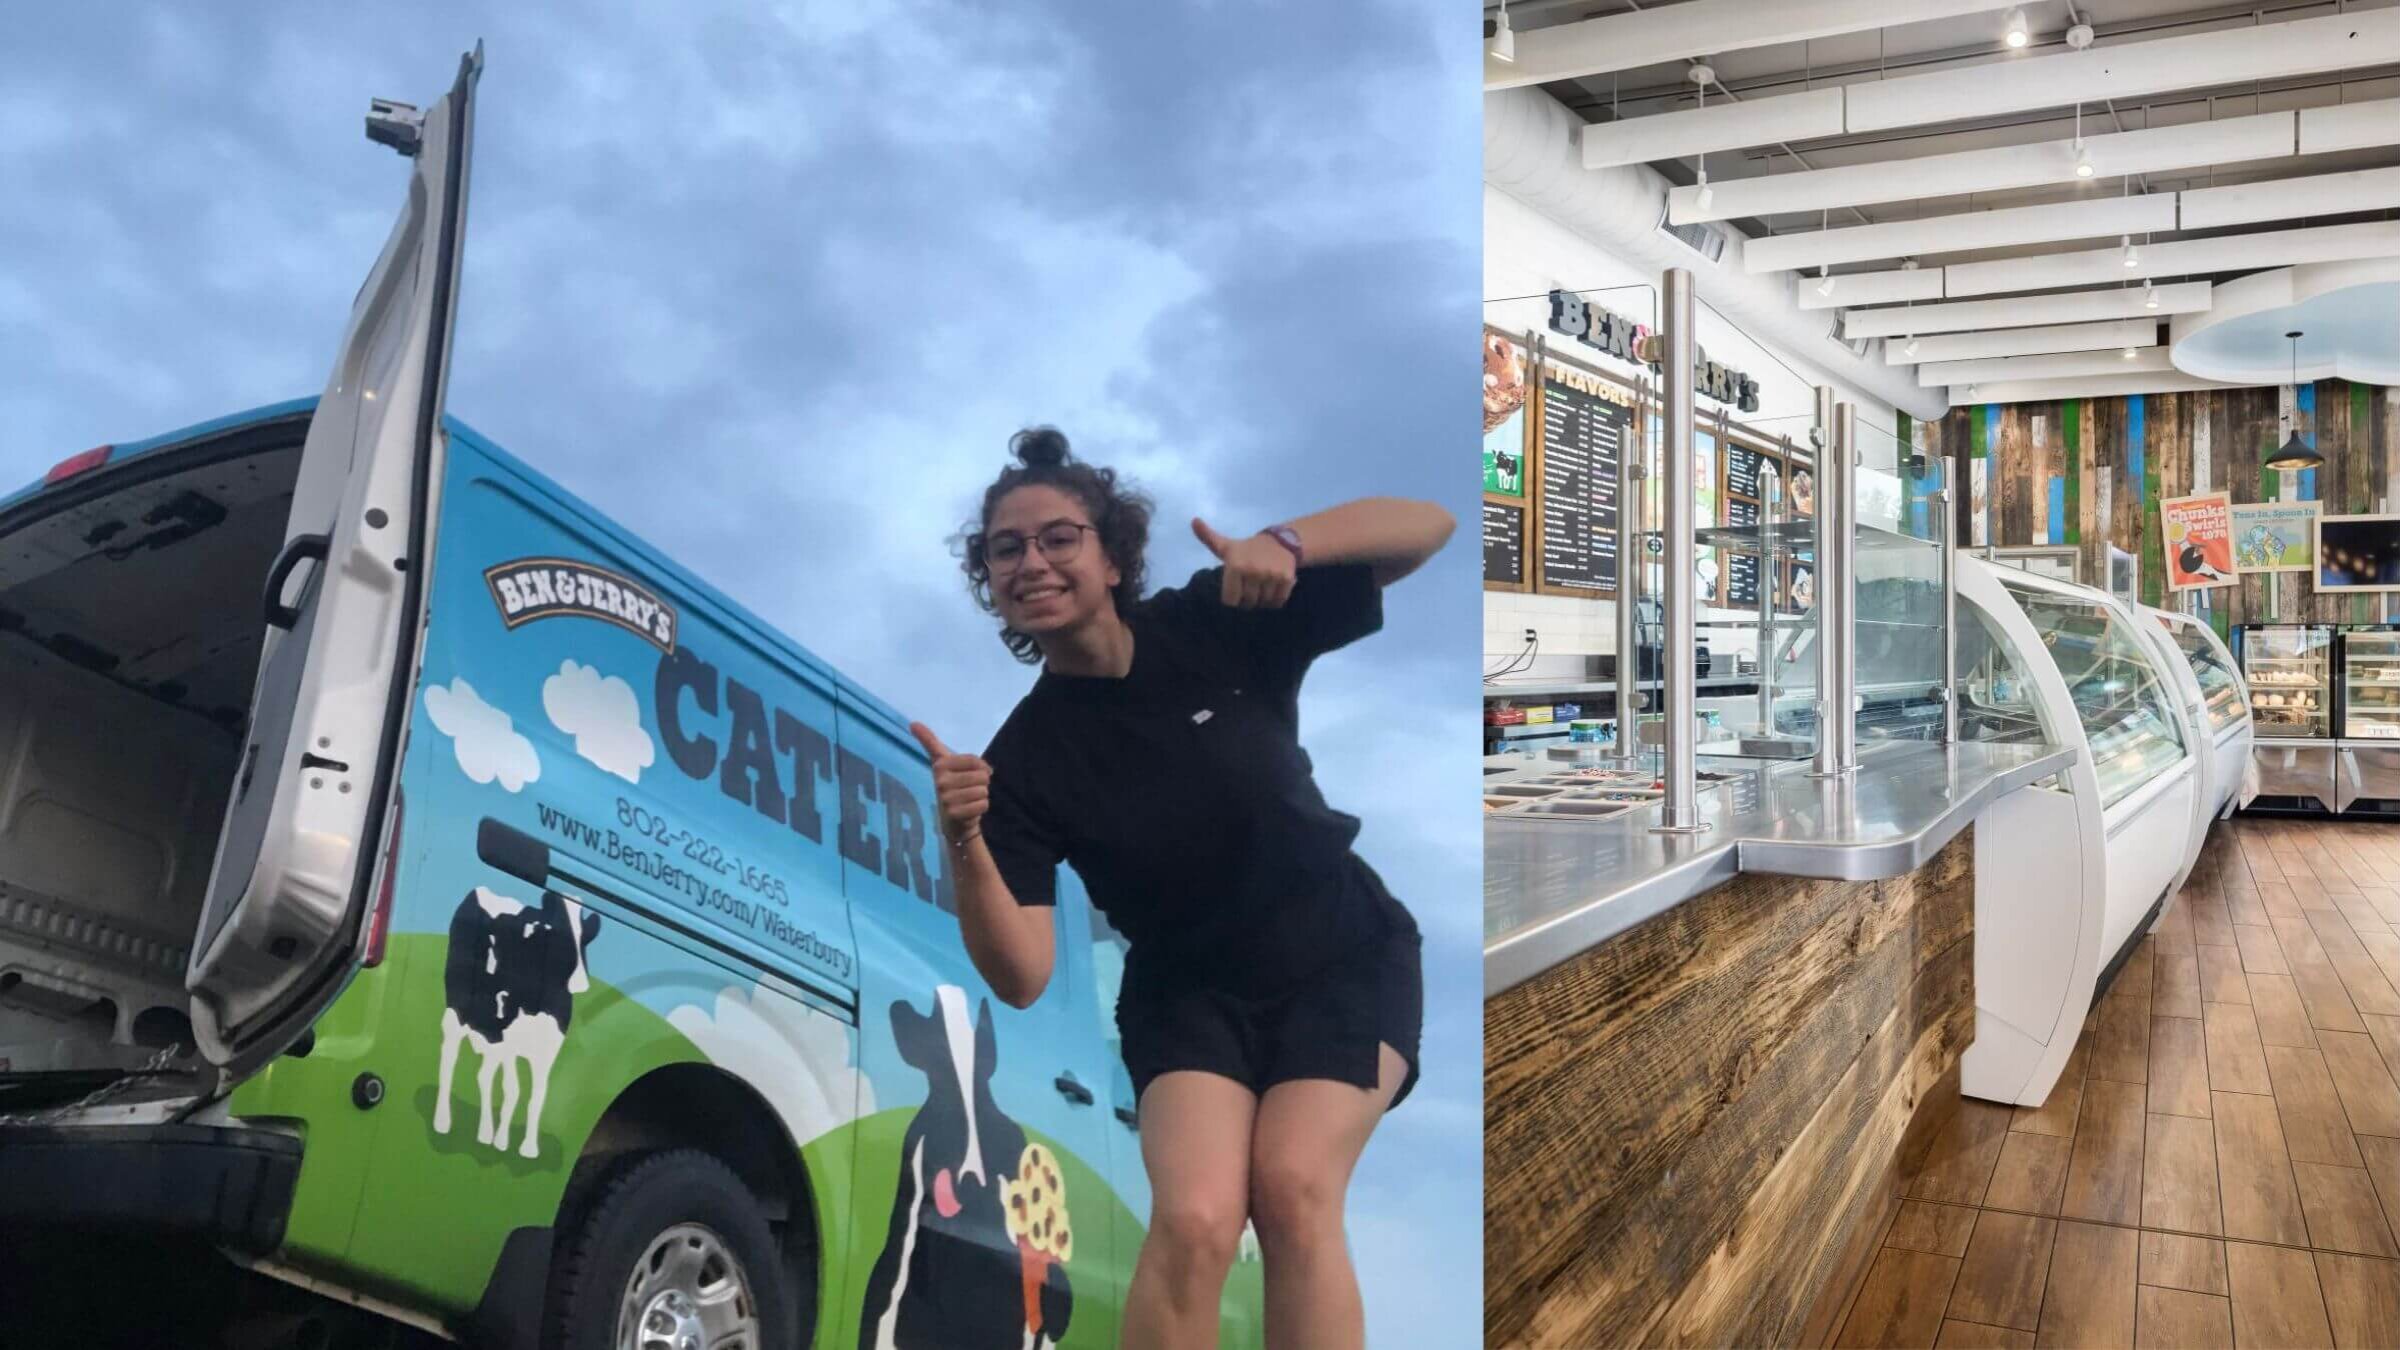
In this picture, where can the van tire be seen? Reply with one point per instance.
(637, 1198)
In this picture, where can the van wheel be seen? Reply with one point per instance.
(669, 1252)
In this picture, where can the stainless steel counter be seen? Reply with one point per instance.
(1553, 888)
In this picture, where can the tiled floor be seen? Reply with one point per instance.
(2220, 1163)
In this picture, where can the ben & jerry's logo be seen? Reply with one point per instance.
(527, 589)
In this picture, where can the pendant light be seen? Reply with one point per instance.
(1500, 43)
(2295, 453)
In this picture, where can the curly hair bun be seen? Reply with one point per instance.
(1037, 447)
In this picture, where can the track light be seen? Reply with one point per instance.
(1501, 43)
(2129, 353)
(1824, 280)
(2132, 257)
(2149, 293)
(1971, 390)
(2018, 34)
(2083, 160)
(1707, 194)
(1911, 348)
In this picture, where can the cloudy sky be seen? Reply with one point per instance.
(771, 284)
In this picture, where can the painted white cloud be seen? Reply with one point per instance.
(488, 744)
(798, 1057)
(603, 716)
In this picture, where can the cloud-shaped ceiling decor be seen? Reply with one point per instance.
(2348, 313)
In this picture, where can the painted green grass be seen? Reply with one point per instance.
(399, 1211)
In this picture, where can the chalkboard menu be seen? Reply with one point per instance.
(1741, 473)
(1739, 512)
(1583, 436)
(1503, 544)
(1741, 580)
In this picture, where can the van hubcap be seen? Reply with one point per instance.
(687, 1293)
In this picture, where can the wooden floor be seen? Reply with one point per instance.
(2220, 1163)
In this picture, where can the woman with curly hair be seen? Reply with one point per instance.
(1273, 988)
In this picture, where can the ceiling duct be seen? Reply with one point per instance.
(1529, 152)
(1706, 240)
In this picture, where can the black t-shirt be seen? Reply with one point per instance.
(1181, 796)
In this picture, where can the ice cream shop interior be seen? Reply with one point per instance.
(1941, 710)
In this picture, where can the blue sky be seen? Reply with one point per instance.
(771, 284)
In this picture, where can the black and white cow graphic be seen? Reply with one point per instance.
(952, 1276)
(509, 985)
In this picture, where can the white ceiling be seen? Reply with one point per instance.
(2313, 75)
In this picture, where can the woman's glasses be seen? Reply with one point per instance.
(1059, 541)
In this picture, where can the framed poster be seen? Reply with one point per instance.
(2358, 553)
(1504, 422)
(2198, 536)
(2275, 536)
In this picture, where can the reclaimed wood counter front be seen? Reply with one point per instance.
(1695, 1131)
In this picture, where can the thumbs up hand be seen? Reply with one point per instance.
(1259, 572)
(962, 787)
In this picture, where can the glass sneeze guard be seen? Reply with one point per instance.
(2219, 685)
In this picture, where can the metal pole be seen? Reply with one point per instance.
(1766, 604)
(1942, 500)
(1681, 812)
(1837, 640)
(1629, 572)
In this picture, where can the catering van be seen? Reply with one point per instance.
(420, 891)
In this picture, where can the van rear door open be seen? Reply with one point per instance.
(280, 927)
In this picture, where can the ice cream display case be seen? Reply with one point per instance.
(2288, 669)
(2212, 684)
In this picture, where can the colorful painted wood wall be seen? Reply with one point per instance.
(2090, 472)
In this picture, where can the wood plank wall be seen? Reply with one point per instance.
(1693, 1131)
(2106, 462)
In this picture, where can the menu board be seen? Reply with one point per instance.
(1503, 544)
(1741, 580)
(1741, 472)
(1583, 437)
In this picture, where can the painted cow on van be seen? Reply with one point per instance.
(976, 1250)
(508, 989)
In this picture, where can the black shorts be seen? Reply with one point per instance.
(1329, 1027)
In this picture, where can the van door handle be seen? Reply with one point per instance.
(1071, 1090)
(279, 614)
(1133, 1120)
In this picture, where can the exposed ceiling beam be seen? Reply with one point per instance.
(1700, 28)
(2080, 386)
(2157, 150)
(1719, 126)
(2076, 337)
(2025, 311)
(2049, 366)
(2326, 194)
(2349, 126)
(1871, 288)
(2183, 257)
(2090, 218)
(2128, 70)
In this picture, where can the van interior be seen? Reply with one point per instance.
(130, 630)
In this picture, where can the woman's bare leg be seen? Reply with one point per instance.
(1196, 1146)
(1307, 1139)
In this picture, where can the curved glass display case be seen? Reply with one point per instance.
(2212, 666)
(2128, 713)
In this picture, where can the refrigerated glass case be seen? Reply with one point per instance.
(2370, 701)
(2289, 668)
